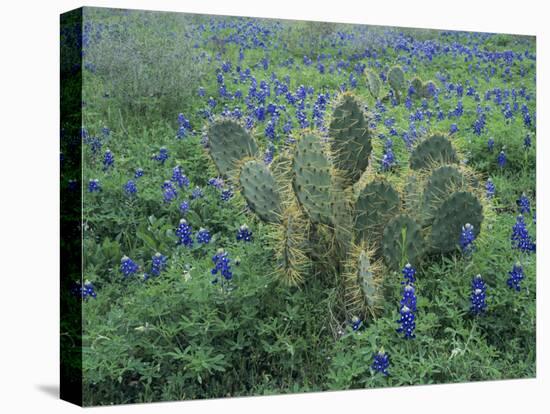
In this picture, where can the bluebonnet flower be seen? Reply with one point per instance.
(222, 265)
(196, 193)
(467, 238)
(184, 207)
(216, 182)
(130, 188)
(356, 323)
(127, 266)
(184, 233)
(158, 264)
(108, 160)
(211, 102)
(270, 130)
(521, 240)
(454, 128)
(388, 159)
(226, 194)
(85, 292)
(169, 191)
(162, 156)
(407, 313)
(524, 204)
(409, 273)
(269, 152)
(183, 126)
(516, 276)
(179, 177)
(381, 363)
(501, 159)
(203, 236)
(477, 298)
(490, 144)
(202, 92)
(490, 188)
(138, 173)
(94, 186)
(244, 234)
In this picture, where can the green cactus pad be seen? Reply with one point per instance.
(373, 83)
(260, 191)
(312, 180)
(457, 210)
(440, 184)
(229, 143)
(417, 85)
(436, 149)
(396, 78)
(377, 203)
(402, 242)
(350, 139)
(362, 284)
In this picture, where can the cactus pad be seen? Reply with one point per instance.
(229, 143)
(417, 85)
(436, 149)
(440, 184)
(396, 78)
(402, 242)
(427, 89)
(457, 210)
(260, 190)
(373, 83)
(350, 139)
(312, 180)
(377, 203)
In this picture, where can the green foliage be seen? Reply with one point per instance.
(402, 242)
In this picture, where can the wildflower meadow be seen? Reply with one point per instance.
(276, 206)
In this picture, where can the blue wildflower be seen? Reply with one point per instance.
(179, 177)
(388, 159)
(490, 188)
(244, 234)
(524, 204)
(162, 156)
(467, 238)
(222, 265)
(138, 173)
(184, 207)
(226, 194)
(409, 273)
(527, 142)
(521, 240)
(108, 160)
(94, 186)
(184, 233)
(169, 191)
(130, 188)
(203, 236)
(158, 264)
(127, 266)
(516, 276)
(407, 313)
(454, 128)
(490, 144)
(216, 182)
(85, 292)
(477, 298)
(381, 362)
(197, 193)
(356, 323)
(501, 159)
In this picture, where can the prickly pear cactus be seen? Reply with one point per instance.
(312, 179)
(362, 283)
(350, 139)
(402, 242)
(229, 143)
(427, 90)
(436, 149)
(396, 78)
(457, 210)
(292, 246)
(260, 190)
(439, 185)
(416, 83)
(373, 83)
(376, 204)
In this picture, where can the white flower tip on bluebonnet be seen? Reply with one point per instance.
(221, 250)
(183, 221)
(244, 227)
(157, 254)
(477, 291)
(408, 265)
(490, 180)
(405, 309)
(409, 288)
(355, 319)
(124, 258)
(518, 264)
(478, 276)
